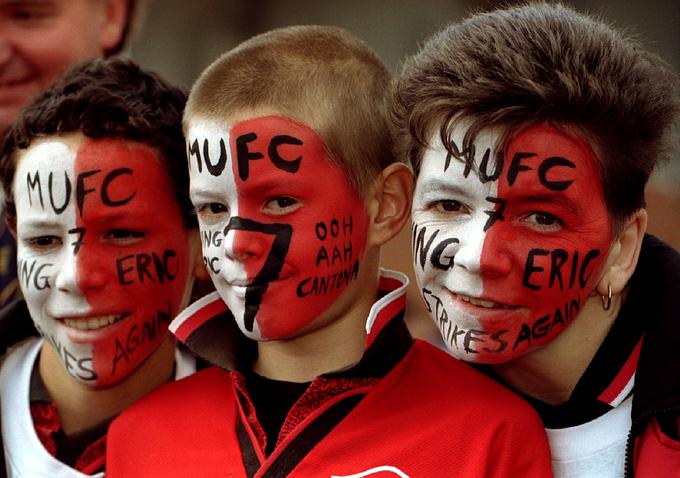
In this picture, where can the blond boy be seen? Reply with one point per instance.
(296, 189)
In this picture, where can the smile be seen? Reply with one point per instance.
(11, 82)
(94, 323)
(487, 304)
(8, 83)
(245, 283)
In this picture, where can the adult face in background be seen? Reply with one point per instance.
(283, 231)
(508, 247)
(104, 254)
(40, 39)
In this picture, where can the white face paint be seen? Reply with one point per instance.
(103, 252)
(283, 231)
(507, 247)
(218, 193)
(440, 237)
(48, 274)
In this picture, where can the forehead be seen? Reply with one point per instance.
(107, 165)
(50, 153)
(538, 159)
(260, 152)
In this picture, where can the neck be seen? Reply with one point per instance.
(333, 341)
(81, 407)
(551, 373)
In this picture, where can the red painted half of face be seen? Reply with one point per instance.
(542, 256)
(299, 229)
(132, 260)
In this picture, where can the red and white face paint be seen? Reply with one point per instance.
(103, 252)
(282, 229)
(508, 247)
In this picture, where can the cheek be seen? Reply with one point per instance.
(36, 276)
(435, 247)
(147, 283)
(212, 243)
(326, 252)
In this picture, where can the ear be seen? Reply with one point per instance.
(623, 255)
(389, 203)
(12, 227)
(199, 270)
(114, 23)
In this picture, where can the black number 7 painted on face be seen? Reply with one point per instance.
(272, 266)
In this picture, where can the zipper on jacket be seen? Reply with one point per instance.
(630, 442)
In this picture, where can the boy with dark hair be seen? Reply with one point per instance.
(96, 183)
(296, 189)
(533, 131)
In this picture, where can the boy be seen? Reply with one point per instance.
(94, 171)
(295, 188)
(40, 40)
(536, 129)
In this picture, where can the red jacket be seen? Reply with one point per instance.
(427, 415)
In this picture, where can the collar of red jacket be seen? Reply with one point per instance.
(208, 328)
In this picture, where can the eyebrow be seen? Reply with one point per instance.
(206, 195)
(551, 198)
(437, 185)
(40, 223)
(19, 3)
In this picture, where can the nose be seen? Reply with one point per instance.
(242, 246)
(75, 277)
(484, 252)
(66, 279)
(469, 253)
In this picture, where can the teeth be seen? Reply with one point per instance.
(92, 323)
(482, 303)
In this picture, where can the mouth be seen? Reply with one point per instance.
(487, 304)
(251, 283)
(7, 83)
(94, 323)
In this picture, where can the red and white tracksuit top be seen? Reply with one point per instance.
(407, 409)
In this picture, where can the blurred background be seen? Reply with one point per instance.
(179, 38)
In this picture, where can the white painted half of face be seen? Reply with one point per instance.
(218, 193)
(449, 215)
(48, 275)
(507, 251)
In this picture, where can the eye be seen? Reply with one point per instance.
(448, 206)
(28, 13)
(217, 208)
(43, 243)
(211, 212)
(544, 221)
(123, 236)
(281, 205)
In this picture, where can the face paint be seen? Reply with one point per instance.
(282, 229)
(103, 253)
(508, 247)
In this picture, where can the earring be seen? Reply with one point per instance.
(607, 300)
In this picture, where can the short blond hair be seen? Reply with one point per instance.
(321, 76)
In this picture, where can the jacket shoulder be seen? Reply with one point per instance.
(173, 406)
(464, 384)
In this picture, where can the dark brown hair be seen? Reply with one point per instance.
(321, 76)
(542, 63)
(105, 98)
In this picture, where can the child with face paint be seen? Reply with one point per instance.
(533, 131)
(96, 180)
(296, 188)
(40, 40)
